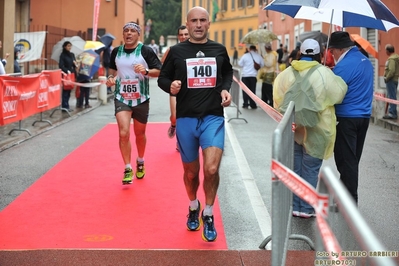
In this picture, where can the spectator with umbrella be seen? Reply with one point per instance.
(107, 40)
(315, 90)
(89, 64)
(68, 64)
(353, 114)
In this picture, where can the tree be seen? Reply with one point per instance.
(165, 17)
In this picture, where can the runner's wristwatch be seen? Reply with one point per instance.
(146, 72)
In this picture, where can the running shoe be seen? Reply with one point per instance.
(307, 214)
(296, 214)
(171, 131)
(193, 222)
(140, 170)
(128, 176)
(209, 233)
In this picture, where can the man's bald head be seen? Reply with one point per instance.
(195, 10)
(198, 24)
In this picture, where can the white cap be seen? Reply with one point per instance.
(310, 47)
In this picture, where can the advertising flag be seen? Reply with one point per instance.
(29, 45)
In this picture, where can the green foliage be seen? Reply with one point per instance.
(165, 16)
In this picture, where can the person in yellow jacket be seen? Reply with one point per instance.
(268, 73)
(315, 89)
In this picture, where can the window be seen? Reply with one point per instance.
(232, 38)
(224, 5)
(216, 36)
(224, 38)
(316, 26)
(193, 3)
(233, 4)
(250, 2)
(240, 34)
(200, 2)
(296, 34)
(241, 3)
(100, 32)
(287, 41)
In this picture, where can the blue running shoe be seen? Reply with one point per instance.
(209, 233)
(193, 222)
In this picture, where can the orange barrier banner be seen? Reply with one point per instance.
(24, 96)
(273, 113)
(318, 201)
(380, 97)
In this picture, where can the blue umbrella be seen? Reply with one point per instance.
(355, 13)
(89, 65)
(107, 39)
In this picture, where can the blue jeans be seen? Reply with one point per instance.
(66, 94)
(308, 168)
(391, 93)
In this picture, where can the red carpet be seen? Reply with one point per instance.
(81, 203)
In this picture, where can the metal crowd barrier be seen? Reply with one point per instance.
(283, 151)
(371, 248)
(330, 196)
(235, 94)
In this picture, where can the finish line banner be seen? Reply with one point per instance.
(29, 45)
(21, 97)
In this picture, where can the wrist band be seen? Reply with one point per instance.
(110, 76)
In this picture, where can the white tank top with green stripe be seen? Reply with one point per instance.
(131, 88)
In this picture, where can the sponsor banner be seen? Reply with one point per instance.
(21, 97)
(29, 45)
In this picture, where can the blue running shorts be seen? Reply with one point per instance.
(192, 133)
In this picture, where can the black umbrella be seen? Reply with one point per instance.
(320, 37)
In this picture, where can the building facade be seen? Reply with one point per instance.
(69, 15)
(232, 19)
(288, 30)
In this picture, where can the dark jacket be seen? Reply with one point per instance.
(17, 69)
(66, 62)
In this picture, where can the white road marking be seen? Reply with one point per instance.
(261, 212)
